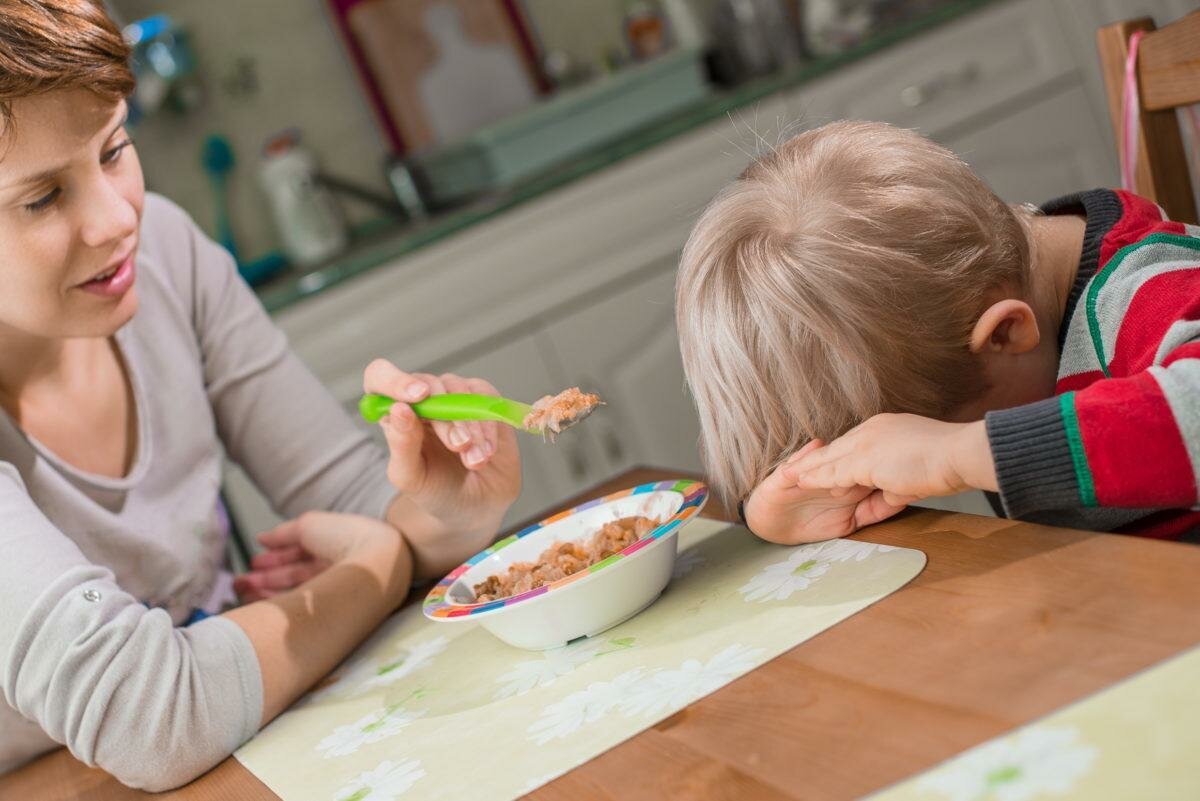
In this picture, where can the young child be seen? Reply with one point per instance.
(864, 323)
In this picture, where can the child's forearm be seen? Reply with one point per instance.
(972, 457)
(300, 635)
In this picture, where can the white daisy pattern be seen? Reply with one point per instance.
(552, 665)
(365, 675)
(404, 664)
(386, 782)
(777, 582)
(688, 560)
(636, 692)
(666, 690)
(549, 668)
(1034, 763)
(585, 706)
(377, 725)
(842, 550)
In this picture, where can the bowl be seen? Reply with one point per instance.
(584, 603)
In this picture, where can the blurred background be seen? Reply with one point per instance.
(502, 187)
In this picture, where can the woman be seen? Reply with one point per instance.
(131, 357)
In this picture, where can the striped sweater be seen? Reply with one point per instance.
(1118, 447)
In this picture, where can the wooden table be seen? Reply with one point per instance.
(1008, 622)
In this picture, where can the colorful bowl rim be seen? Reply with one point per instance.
(694, 494)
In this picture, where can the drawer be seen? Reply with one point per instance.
(946, 77)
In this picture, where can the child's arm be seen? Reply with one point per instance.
(1122, 442)
(779, 511)
(1129, 437)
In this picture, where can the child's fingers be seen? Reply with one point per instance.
(874, 509)
(893, 499)
(808, 448)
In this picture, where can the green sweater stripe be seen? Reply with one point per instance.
(1093, 291)
(1083, 474)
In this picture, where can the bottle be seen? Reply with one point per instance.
(310, 224)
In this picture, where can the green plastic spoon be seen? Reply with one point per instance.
(550, 415)
(453, 407)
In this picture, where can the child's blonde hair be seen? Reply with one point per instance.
(838, 277)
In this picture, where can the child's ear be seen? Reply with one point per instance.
(1007, 326)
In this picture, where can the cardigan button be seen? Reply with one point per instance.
(91, 596)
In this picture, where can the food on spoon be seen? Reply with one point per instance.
(554, 413)
(563, 559)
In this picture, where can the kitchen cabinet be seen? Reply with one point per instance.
(625, 348)
(575, 287)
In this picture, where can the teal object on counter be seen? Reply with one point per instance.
(216, 156)
(565, 126)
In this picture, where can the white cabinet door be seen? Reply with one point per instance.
(625, 348)
(550, 472)
(1045, 150)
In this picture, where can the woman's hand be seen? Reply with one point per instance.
(455, 480)
(780, 511)
(298, 549)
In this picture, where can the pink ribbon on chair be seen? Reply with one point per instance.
(1130, 108)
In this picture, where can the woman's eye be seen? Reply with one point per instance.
(110, 156)
(44, 201)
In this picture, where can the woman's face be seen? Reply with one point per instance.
(71, 197)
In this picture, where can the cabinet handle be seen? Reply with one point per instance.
(612, 444)
(577, 464)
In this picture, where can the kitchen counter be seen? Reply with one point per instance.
(384, 243)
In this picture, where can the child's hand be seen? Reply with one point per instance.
(780, 511)
(905, 456)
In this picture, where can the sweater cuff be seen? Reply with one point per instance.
(1034, 465)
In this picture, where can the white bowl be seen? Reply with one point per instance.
(590, 601)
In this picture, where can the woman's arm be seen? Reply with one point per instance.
(156, 704)
(300, 635)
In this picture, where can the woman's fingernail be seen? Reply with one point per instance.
(458, 436)
(415, 391)
(475, 455)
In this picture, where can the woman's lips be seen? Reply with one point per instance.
(114, 285)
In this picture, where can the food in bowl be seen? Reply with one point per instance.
(589, 601)
(563, 559)
(554, 413)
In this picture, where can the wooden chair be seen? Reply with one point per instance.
(1168, 72)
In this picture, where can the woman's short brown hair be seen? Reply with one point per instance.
(47, 45)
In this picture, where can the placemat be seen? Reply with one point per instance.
(1139, 739)
(446, 711)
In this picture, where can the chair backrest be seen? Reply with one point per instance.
(1168, 74)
